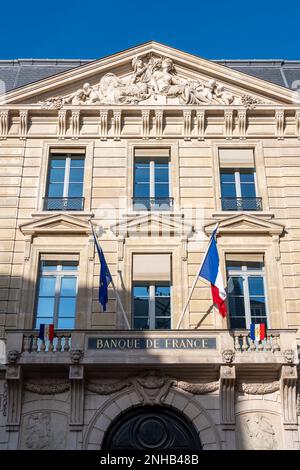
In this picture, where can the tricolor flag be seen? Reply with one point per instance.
(210, 270)
(105, 276)
(257, 331)
(46, 332)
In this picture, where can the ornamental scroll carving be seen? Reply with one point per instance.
(47, 387)
(154, 80)
(258, 388)
(198, 388)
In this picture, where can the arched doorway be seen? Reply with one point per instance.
(151, 427)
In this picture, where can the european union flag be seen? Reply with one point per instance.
(105, 276)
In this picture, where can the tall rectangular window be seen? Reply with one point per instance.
(151, 306)
(65, 182)
(238, 180)
(57, 293)
(246, 291)
(151, 303)
(151, 182)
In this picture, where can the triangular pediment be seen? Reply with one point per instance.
(152, 225)
(56, 224)
(150, 74)
(245, 224)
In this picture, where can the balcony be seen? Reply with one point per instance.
(63, 203)
(241, 203)
(153, 203)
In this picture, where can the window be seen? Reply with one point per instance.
(151, 182)
(152, 306)
(246, 292)
(65, 183)
(56, 295)
(238, 180)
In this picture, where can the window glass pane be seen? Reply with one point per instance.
(236, 306)
(141, 307)
(141, 291)
(142, 172)
(227, 177)
(233, 265)
(45, 321)
(254, 266)
(47, 286)
(67, 307)
(76, 174)
(161, 190)
(238, 323)
(161, 172)
(162, 291)
(141, 324)
(77, 162)
(75, 190)
(57, 162)
(66, 323)
(247, 177)
(45, 307)
(68, 286)
(162, 307)
(248, 190)
(258, 307)
(162, 323)
(142, 190)
(228, 190)
(235, 286)
(57, 175)
(256, 285)
(55, 190)
(69, 265)
(48, 265)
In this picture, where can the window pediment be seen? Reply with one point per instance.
(245, 224)
(55, 224)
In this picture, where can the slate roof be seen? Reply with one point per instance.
(20, 72)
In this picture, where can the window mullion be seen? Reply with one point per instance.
(67, 177)
(152, 307)
(57, 298)
(237, 184)
(152, 179)
(247, 301)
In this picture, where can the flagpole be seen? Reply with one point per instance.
(115, 291)
(195, 281)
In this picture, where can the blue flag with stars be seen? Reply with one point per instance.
(105, 276)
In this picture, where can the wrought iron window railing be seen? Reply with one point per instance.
(241, 203)
(153, 203)
(63, 203)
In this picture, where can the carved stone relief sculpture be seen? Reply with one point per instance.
(154, 80)
(258, 432)
(44, 430)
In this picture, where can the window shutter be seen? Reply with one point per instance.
(152, 152)
(236, 158)
(245, 257)
(151, 267)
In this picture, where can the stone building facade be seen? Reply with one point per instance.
(152, 146)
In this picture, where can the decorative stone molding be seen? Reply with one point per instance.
(145, 124)
(152, 387)
(13, 356)
(62, 123)
(102, 388)
(44, 430)
(23, 115)
(47, 386)
(227, 395)
(76, 355)
(258, 432)
(3, 400)
(200, 120)
(280, 121)
(289, 356)
(159, 114)
(3, 123)
(297, 123)
(197, 388)
(228, 356)
(228, 124)
(258, 388)
(242, 123)
(187, 124)
(153, 80)
(288, 392)
(75, 123)
(103, 124)
(298, 398)
(117, 124)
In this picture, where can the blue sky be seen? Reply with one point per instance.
(92, 29)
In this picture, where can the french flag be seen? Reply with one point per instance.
(257, 331)
(46, 332)
(210, 270)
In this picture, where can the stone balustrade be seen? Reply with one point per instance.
(243, 342)
(60, 343)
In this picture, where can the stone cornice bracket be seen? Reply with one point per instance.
(121, 243)
(76, 377)
(184, 248)
(227, 394)
(103, 124)
(62, 123)
(23, 116)
(28, 244)
(200, 122)
(117, 124)
(159, 116)
(14, 396)
(280, 123)
(75, 123)
(242, 123)
(187, 124)
(91, 248)
(297, 123)
(228, 123)
(145, 127)
(288, 394)
(4, 115)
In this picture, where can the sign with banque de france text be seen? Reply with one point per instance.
(121, 343)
